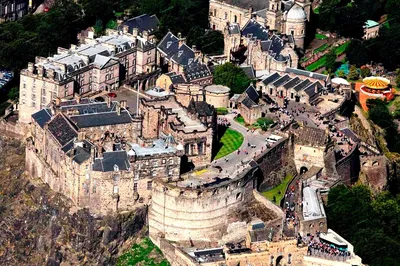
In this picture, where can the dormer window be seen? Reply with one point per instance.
(169, 44)
(190, 61)
(180, 52)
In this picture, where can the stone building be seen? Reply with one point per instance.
(192, 127)
(293, 84)
(250, 105)
(15, 9)
(94, 153)
(255, 45)
(99, 64)
(287, 17)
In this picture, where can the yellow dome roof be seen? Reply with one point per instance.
(376, 82)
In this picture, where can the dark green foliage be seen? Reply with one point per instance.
(380, 115)
(330, 62)
(353, 73)
(231, 76)
(365, 72)
(370, 224)
(13, 93)
(264, 122)
(208, 41)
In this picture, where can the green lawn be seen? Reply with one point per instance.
(230, 141)
(321, 48)
(320, 36)
(221, 110)
(240, 120)
(145, 253)
(342, 48)
(278, 191)
(317, 64)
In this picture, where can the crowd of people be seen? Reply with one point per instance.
(317, 248)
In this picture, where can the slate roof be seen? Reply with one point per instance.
(176, 78)
(305, 73)
(169, 46)
(79, 154)
(196, 71)
(302, 85)
(248, 102)
(246, 4)
(277, 45)
(252, 94)
(42, 117)
(101, 119)
(142, 22)
(281, 81)
(254, 29)
(271, 78)
(310, 136)
(249, 70)
(265, 45)
(291, 83)
(201, 108)
(62, 131)
(350, 134)
(111, 159)
(88, 108)
(311, 89)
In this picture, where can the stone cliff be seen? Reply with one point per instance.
(38, 226)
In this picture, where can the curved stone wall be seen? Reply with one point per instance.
(184, 214)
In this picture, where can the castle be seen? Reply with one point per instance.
(284, 16)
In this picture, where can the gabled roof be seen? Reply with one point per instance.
(169, 46)
(311, 136)
(142, 22)
(313, 89)
(61, 129)
(42, 117)
(176, 78)
(254, 29)
(271, 78)
(291, 83)
(302, 85)
(246, 4)
(111, 161)
(265, 45)
(281, 81)
(249, 70)
(252, 93)
(276, 46)
(248, 102)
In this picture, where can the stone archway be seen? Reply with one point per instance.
(278, 260)
(303, 170)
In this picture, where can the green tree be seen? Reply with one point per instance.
(365, 72)
(353, 73)
(208, 41)
(13, 94)
(341, 74)
(330, 62)
(231, 76)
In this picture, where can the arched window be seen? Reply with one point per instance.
(235, 18)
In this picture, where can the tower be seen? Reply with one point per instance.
(273, 15)
(296, 25)
(306, 5)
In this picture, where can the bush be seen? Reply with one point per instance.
(222, 111)
(264, 122)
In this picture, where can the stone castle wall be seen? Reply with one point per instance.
(184, 214)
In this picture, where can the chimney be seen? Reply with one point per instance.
(31, 67)
(135, 32)
(72, 47)
(77, 98)
(118, 109)
(194, 47)
(181, 40)
(315, 88)
(145, 34)
(123, 104)
(40, 70)
(58, 101)
(125, 29)
(90, 33)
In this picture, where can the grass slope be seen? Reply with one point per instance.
(145, 253)
(278, 191)
(230, 141)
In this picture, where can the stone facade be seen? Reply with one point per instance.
(194, 131)
(99, 64)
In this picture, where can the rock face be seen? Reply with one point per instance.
(37, 226)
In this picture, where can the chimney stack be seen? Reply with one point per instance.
(123, 104)
(251, 11)
(109, 102)
(125, 29)
(58, 101)
(145, 35)
(77, 98)
(181, 40)
(118, 109)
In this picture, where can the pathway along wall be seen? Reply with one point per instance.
(185, 214)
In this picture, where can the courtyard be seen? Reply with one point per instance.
(230, 141)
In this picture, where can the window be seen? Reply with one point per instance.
(226, 15)
(171, 161)
(137, 175)
(116, 189)
(148, 60)
(94, 186)
(24, 86)
(235, 19)
(116, 178)
(170, 172)
(33, 104)
(135, 186)
(149, 185)
(155, 163)
(149, 52)
(200, 148)
(33, 97)
(163, 161)
(153, 173)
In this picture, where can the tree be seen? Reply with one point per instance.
(231, 76)
(13, 93)
(330, 61)
(353, 73)
(341, 74)
(365, 71)
(358, 53)
(208, 41)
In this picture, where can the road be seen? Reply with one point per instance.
(232, 163)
